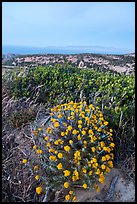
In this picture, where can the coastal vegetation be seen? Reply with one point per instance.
(58, 89)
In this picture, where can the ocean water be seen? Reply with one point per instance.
(63, 50)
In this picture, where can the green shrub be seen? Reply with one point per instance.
(75, 149)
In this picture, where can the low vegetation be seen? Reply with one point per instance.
(112, 93)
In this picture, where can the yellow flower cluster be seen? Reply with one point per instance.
(79, 145)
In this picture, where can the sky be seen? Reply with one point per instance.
(42, 24)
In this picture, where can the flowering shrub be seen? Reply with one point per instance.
(75, 149)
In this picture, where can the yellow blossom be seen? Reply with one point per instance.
(39, 151)
(74, 132)
(46, 138)
(67, 148)
(36, 168)
(105, 123)
(37, 177)
(24, 161)
(70, 141)
(79, 137)
(103, 158)
(60, 155)
(85, 185)
(93, 149)
(112, 145)
(85, 143)
(48, 144)
(71, 192)
(66, 184)
(35, 132)
(103, 166)
(67, 197)
(62, 133)
(38, 190)
(90, 173)
(60, 116)
(59, 166)
(39, 129)
(80, 126)
(56, 142)
(34, 147)
(79, 121)
(110, 163)
(69, 127)
(66, 173)
(53, 158)
(83, 132)
(56, 124)
(74, 199)
(84, 170)
(107, 169)
(107, 157)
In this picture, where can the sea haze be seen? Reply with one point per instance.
(63, 50)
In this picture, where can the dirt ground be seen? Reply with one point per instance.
(120, 190)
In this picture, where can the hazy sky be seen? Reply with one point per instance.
(39, 24)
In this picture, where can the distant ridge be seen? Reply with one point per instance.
(64, 50)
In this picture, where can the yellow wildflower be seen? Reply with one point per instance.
(72, 113)
(56, 124)
(24, 161)
(112, 145)
(85, 185)
(90, 173)
(66, 184)
(103, 166)
(107, 157)
(53, 120)
(66, 173)
(84, 170)
(103, 158)
(60, 116)
(70, 141)
(74, 132)
(79, 121)
(38, 190)
(62, 133)
(39, 151)
(69, 127)
(67, 148)
(48, 144)
(35, 132)
(80, 126)
(46, 138)
(36, 168)
(56, 142)
(60, 155)
(53, 158)
(110, 163)
(59, 166)
(93, 149)
(34, 147)
(79, 137)
(105, 123)
(71, 192)
(37, 177)
(83, 132)
(74, 199)
(85, 143)
(39, 129)
(67, 197)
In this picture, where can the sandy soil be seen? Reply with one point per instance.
(123, 191)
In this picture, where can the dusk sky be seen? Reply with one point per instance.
(41, 24)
